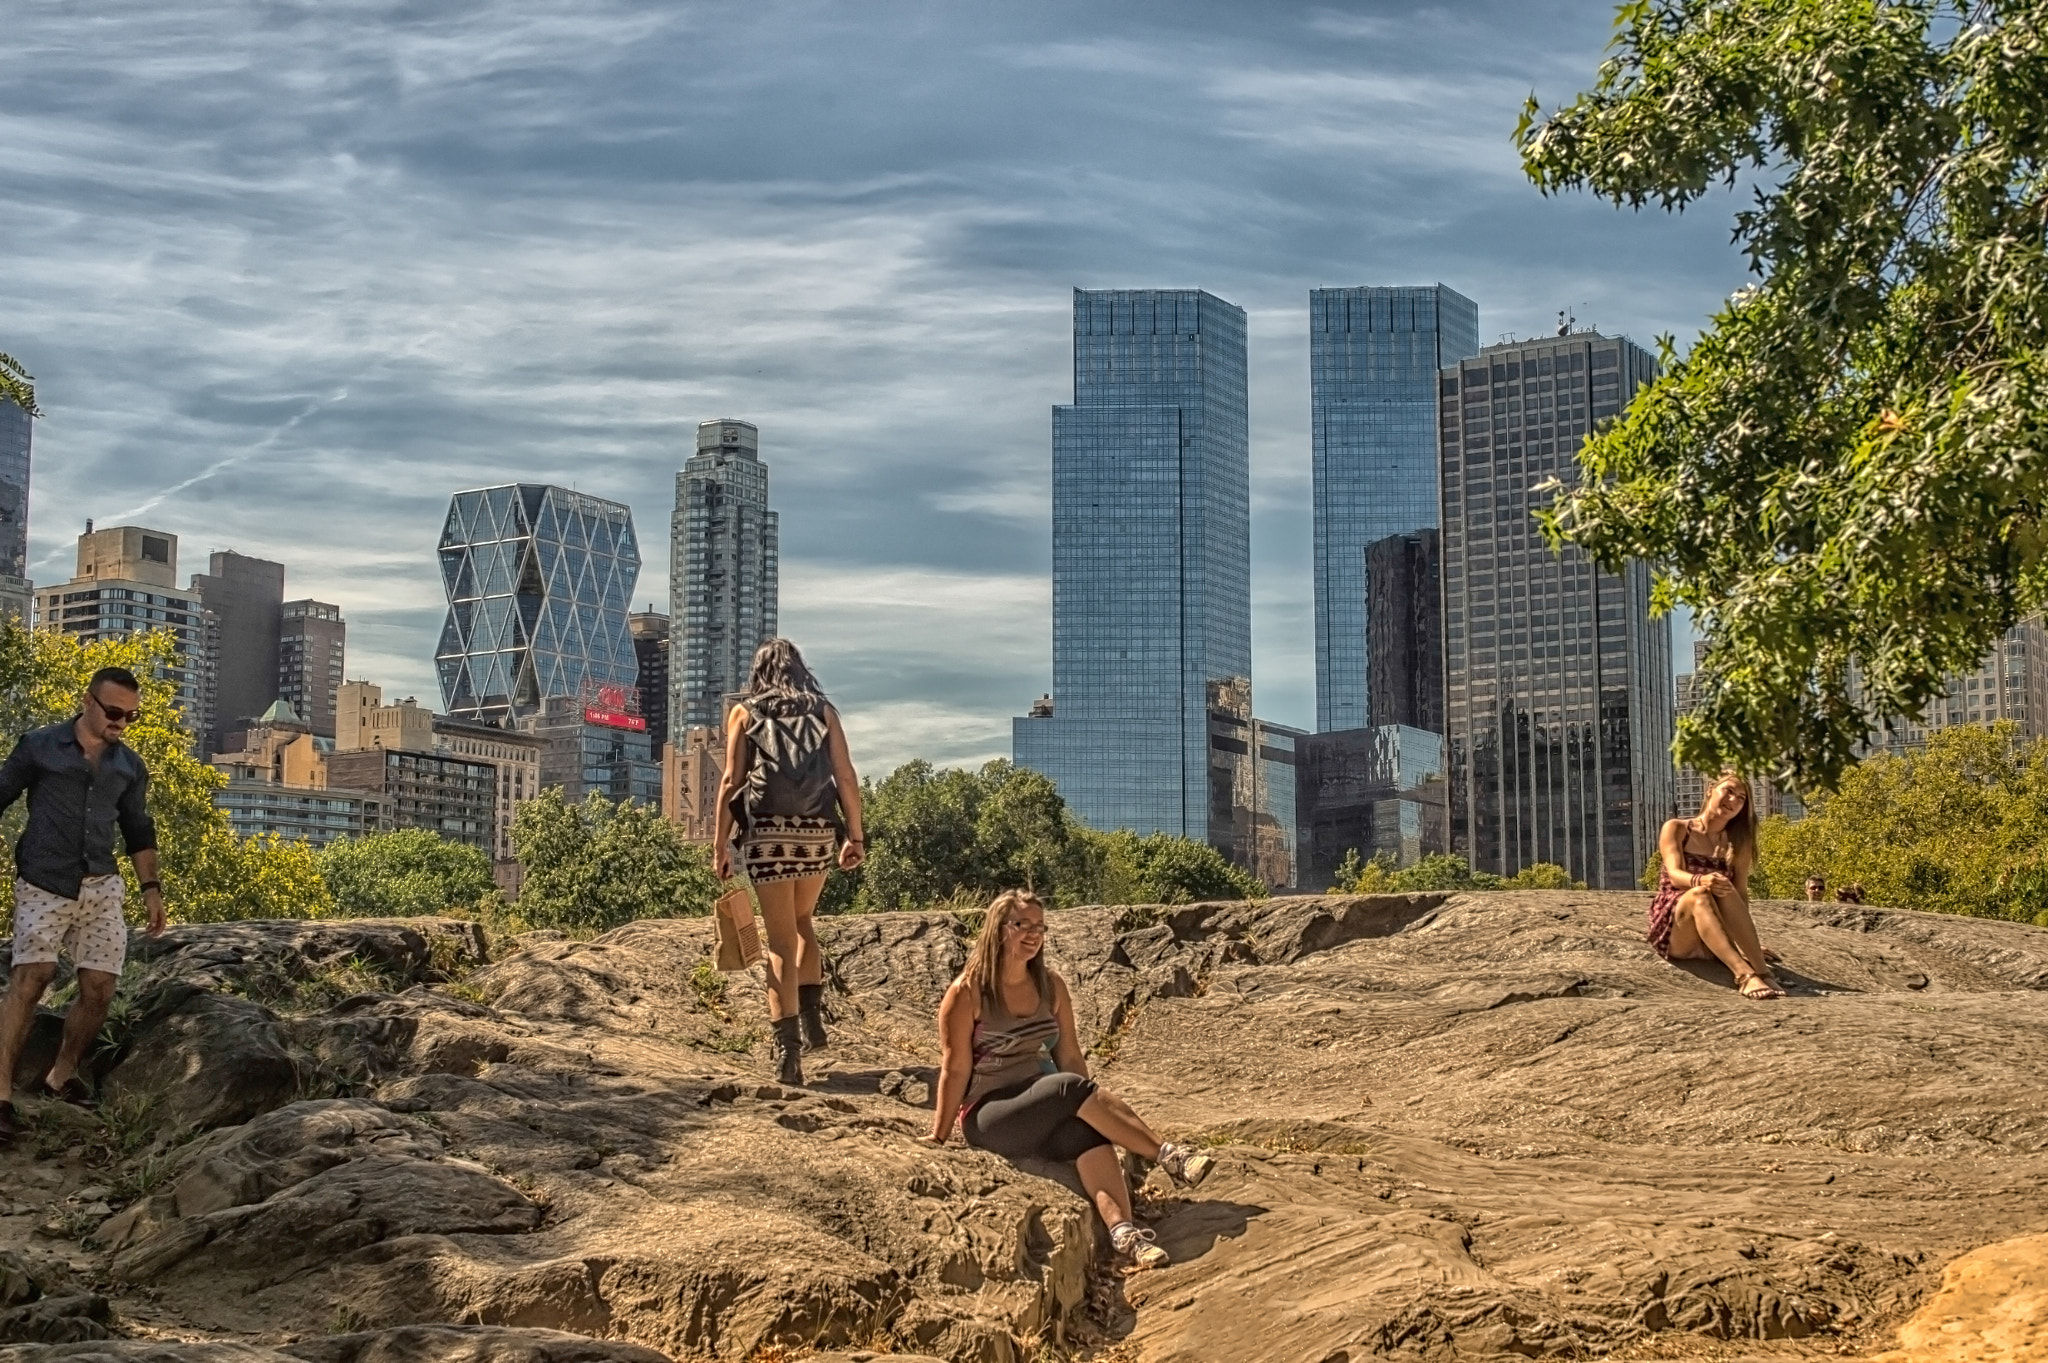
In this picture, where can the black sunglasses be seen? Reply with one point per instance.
(115, 714)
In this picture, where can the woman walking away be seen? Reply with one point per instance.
(1701, 910)
(789, 802)
(997, 1024)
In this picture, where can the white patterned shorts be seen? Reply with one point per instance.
(88, 929)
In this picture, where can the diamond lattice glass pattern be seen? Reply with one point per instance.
(538, 579)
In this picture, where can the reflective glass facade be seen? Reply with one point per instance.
(15, 428)
(1374, 354)
(723, 574)
(1378, 792)
(539, 582)
(1151, 559)
(1558, 686)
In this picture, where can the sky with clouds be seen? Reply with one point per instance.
(289, 274)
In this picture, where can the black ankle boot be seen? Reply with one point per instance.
(811, 1009)
(789, 1052)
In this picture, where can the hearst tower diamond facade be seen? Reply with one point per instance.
(539, 581)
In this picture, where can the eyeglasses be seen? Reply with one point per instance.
(1024, 929)
(115, 714)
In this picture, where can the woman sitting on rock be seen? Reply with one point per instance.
(1701, 910)
(790, 802)
(1013, 1076)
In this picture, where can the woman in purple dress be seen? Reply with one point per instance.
(1701, 911)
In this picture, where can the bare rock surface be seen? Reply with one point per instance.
(1448, 1127)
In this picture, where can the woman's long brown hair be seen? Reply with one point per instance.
(984, 973)
(779, 685)
(1741, 830)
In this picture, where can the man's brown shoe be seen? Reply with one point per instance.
(72, 1091)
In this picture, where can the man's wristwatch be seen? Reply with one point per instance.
(149, 885)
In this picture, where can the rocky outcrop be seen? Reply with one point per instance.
(1448, 1127)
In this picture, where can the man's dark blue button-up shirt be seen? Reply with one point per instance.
(73, 806)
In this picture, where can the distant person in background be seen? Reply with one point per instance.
(82, 785)
(1013, 1078)
(1701, 910)
(789, 805)
(1816, 890)
(1852, 893)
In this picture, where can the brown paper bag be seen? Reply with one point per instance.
(739, 941)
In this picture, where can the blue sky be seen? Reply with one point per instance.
(289, 274)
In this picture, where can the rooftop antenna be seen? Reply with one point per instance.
(1564, 323)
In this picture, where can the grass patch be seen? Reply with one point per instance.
(735, 1040)
(468, 993)
(143, 1176)
(709, 982)
(1132, 917)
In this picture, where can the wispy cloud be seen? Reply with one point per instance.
(542, 240)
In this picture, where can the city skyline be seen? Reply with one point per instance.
(327, 296)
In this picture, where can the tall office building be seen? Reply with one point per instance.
(16, 428)
(1151, 567)
(650, 632)
(1374, 356)
(724, 572)
(127, 582)
(538, 579)
(311, 653)
(1376, 792)
(245, 596)
(1404, 665)
(1558, 686)
(2010, 684)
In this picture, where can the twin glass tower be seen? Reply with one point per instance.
(1151, 570)
(1554, 726)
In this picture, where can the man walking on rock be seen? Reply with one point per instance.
(81, 781)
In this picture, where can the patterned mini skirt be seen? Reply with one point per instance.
(786, 847)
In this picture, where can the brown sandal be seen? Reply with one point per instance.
(1755, 986)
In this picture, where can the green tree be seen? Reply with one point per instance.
(1159, 868)
(1543, 875)
(18, 385)
(601, 863)
(1841, 479)
(1957, 828)
(935, 835)
(209, 873)
(407, 873)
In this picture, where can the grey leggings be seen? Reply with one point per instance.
(1034, 1118)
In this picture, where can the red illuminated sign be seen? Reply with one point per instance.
(615, 707)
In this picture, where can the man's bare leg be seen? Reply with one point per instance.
(17, 1012)
(88, 1013)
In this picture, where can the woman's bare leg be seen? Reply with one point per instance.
(1103, 1177)
(1741, 929)
(785, 945)
(1698, 932)
(1113, 1117)
(810, 961)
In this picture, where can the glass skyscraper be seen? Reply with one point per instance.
(16, 429)
(723, 574)
(1558, 691)
(1374, 354)
(1151, 596)
(539, 581)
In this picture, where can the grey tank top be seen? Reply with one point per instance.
(1008, 1048)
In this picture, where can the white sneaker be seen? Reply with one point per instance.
(1138, 1245)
